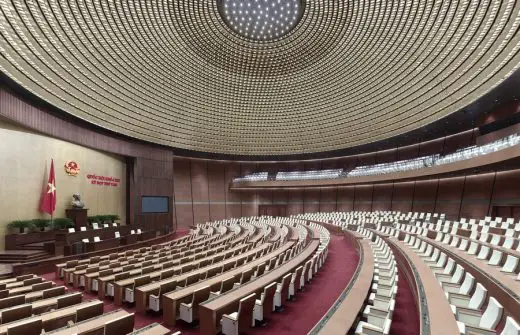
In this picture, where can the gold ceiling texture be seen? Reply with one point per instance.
(173, 72)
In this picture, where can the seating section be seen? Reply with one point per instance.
(259, 262)
(391, 167)
(475, 262)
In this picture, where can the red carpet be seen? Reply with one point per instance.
(300, 315)
(406, 315)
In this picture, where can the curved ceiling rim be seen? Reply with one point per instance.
(196, 130)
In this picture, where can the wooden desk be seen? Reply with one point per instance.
(143, 293)
(434, 308)
(102, 245)
(119, 286)
(52, 320)
(503, 287)
(153, 329)
(211, 312)
(171, 301)
(341, 317)
(91, 325)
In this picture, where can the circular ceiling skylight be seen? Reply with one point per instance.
(261, 20)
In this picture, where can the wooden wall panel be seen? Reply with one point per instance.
(182, 193)
(311, 201)
(345, 199)
(407, 152)
(507, 188)
(363, 197)
(383, 195)
(431, 147)
(328, 197)
(449, 196)
(294, 202)
(403, 196)
(425, 194)
(386, 156)
(477, 195)
(217, 190)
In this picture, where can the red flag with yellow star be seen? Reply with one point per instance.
(48, 204)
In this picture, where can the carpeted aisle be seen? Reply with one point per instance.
(299, 315)
(406, 316)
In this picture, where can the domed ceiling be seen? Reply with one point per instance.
(316, 76)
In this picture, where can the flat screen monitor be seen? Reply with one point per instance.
(151, 204)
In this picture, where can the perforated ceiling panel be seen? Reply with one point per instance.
(175, 73)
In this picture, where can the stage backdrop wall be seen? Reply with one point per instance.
(24, 170)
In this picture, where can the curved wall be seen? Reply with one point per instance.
(199, 189)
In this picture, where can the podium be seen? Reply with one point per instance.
(78, 215)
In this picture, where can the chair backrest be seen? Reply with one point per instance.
(459, 273)
(121, 325)
(467, 284)
(12, 301)
(492, 314)
(32, 281)
(106, 272)
(95, 225)
(140, 281)
(83, 228)
(200, 295)
(245, 312)
(227, 284)
(511, 264)
(511, 327)
(121, 276)
(42, 286)
(69, 300)
(71, 230)
(53, 292)
(89, 312)
(29, 327)
(97, 239)
(268, 298)
(167, 287)
(16, 313)
(260, 270)
(478, 297)
(117, 234)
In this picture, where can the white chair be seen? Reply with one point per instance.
(231, 324)
(132, 232)
(511, 264)
(97, 239)
(139, 231)
(83, 228)
(454, 278)
(265, 305)
(476, 323)
(474, 302)
(85, 240)
(374, 325)
(105, 225)
(117, 235)
(282, 290)
(95, 225)
(71, 230)
(114, 224)
(496, 258)
(186, 310)
(464, 289)
(484, 253)
(511, 327)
